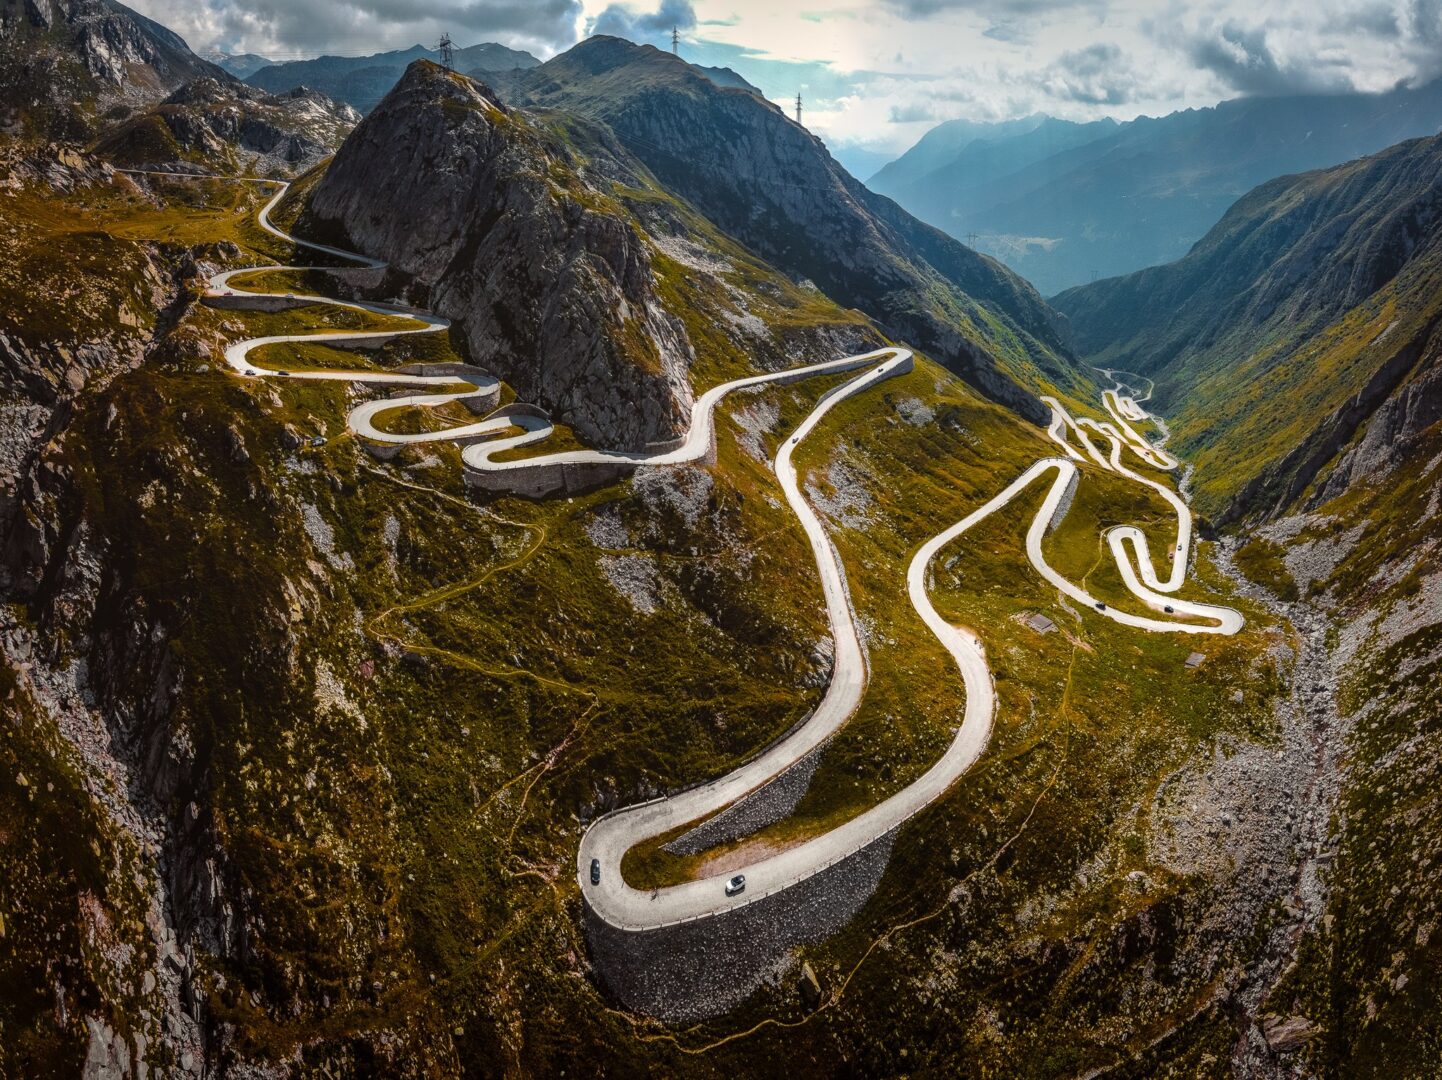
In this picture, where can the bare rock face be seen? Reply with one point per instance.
(548, 281)
(771, 184)
(1286, 1035)
(296, 129)
(120, 48)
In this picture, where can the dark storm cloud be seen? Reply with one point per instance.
(910, 114)
(620, 21)
(306, 27)
(1097, 75)
(1002, 10)
(1242, 59)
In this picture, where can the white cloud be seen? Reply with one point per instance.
(287, 29)
(878, 73)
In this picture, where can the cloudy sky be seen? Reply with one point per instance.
(876, 74)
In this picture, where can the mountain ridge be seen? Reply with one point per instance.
(361, 81)
(770, 183)
(1144, 193)
(564, 268)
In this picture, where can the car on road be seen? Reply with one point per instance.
(1101, 606)
(281, 371)
(736, 885)
(1169, 609)
(595, 871)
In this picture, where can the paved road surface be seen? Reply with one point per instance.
(611, 836)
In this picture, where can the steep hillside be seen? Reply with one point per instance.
(230, 127)
(567, 270)
(768, 182)
(1112, 201)
(346, 724)
(240, 64)
(1310, 304)
(361, 81)
(1300, 349)
(63, 64)
(299, 740)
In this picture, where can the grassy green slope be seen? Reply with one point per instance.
(1298, 345)
(1313, 291)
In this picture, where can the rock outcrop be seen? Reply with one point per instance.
(207, 121)
(547, 280)
(770, 183)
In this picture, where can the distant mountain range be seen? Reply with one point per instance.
(1063, 203)
(240, 65)
(361, 81)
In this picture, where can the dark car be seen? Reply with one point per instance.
(736, 885)
(282, 371)
(595, 871)
(1101, 606)
(1169, 609)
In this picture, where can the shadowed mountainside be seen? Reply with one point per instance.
(768, 182)
(1299, 347)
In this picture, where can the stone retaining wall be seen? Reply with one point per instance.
(246, 302)
(700, 969)
(768, 804)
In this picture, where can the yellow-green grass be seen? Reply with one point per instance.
(914, 700)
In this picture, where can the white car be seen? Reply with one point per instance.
(736, 885)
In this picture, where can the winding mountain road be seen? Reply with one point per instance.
(609, 837)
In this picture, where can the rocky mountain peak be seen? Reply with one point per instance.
(549, 282)
(63, 63)
(769, 182)
(121, 47)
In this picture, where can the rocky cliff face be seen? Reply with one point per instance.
(107, 917)
(232, 127)
(63, 62)
(767, 181)
(549, 282)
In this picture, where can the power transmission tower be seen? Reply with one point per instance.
(675, 41)
(446, 47)
(798, 108)
(971, 240)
